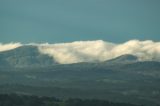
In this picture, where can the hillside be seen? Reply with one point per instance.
(123, 79)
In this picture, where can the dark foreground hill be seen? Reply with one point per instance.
(30, 100)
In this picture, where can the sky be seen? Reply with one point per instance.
(57, 21)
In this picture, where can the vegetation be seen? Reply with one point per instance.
(27, 100)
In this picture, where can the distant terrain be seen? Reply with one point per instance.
(31, 100)
(123, 79)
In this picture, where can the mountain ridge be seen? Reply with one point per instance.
(123, 78)
(25, 56)
(30, 56)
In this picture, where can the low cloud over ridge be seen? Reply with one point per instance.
(93, 51)
(90, 51)
(9, 46)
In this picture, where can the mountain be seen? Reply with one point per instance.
(25, 56)
(29, 56)
(122, 79)
(127, 58)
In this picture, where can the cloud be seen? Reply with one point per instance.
(91, 51)
(9, 46)
(94, 51)
(79, 51)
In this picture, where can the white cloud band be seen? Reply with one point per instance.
(91, 51)
(9, 46)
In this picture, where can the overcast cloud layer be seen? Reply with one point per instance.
(93, 51)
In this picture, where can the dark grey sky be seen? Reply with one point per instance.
(69, 20)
